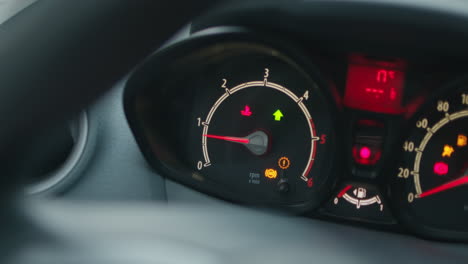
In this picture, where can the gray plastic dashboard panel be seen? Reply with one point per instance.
(116, 169)
(151, 233)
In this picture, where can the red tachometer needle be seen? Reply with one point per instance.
(257, 142)
(232, 139)
(449, 185)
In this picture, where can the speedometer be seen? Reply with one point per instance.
(432, 181)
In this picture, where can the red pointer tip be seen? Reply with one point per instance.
(232, 139)
(344, 191)
(449, 185)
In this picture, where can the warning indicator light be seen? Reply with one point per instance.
(447, 152)
(271, 173)
(246, 111)
(461, 140)
(441, 168)
(284, 163)
(278, 115)
(365, 155)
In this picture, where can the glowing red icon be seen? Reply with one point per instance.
(246, 111)
(365, 153)
(441, 168)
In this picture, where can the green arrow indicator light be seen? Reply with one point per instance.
(278, 115)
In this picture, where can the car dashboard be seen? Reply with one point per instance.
(344, 111)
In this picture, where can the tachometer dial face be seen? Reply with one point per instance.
(262, 129)
(432, 181)
(243, 118)
(259, 124)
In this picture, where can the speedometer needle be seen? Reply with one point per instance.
(257, 142)
(449, 185)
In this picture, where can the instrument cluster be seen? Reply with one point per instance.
(356, 137)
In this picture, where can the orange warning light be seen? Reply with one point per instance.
(271, 173)
(284, 163)
(448, 150)
(461, 140)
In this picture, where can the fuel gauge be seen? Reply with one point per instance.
(359, 202)
(358, 197)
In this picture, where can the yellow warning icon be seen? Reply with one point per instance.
(461, 140)
(271, 173)
(284, 163)
(447, 152)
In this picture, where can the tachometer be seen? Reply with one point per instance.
(432, 181)
(258, 142)
(266, 118)
(261, 127)
(241, 117)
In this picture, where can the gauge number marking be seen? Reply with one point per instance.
(265, 83)
(441, 107)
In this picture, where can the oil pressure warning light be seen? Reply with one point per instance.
(359, 202)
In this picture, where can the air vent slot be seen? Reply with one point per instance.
(63, 147)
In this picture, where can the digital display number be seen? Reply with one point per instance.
(374, 87)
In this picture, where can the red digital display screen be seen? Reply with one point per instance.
(374, 86)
